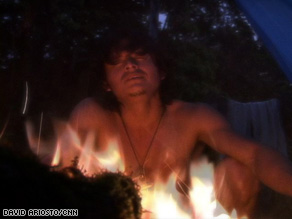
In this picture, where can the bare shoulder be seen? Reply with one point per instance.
(88, 105)
(87, 113)
(198, 113)
(191, 109)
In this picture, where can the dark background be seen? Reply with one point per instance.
(48, 47)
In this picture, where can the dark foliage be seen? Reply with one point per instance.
(27, 184)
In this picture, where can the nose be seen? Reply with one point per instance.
(131, 64)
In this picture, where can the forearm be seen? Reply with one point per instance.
(269, 166)
(273, 170)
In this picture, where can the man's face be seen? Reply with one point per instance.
(132, 74)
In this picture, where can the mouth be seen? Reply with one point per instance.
(135, 77)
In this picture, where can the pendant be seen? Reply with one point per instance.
(142, 179)
(141, 175)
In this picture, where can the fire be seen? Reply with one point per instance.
(160, 200)
(111, 158)
(89, 160)
(202, 193)
(163, 201)
(166, 202)
(57, 156)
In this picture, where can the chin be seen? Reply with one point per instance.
(137, 90)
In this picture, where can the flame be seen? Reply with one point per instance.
(57, 156)
(44, 149)
(87, 160)
(159, 200)
(163, 201)
(202, 193)
(111, 158)
(90, 160)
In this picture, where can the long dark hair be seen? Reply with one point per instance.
(119, 40)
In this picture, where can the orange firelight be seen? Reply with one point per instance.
(159, 200)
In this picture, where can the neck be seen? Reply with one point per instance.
(142, 111)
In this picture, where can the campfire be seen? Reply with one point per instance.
(158, 200)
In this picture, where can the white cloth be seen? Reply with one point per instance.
(260, 121)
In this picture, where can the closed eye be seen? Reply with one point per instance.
(141, 56)
(115, 62)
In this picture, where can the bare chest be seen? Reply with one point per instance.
(156, 152)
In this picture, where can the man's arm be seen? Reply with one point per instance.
(268, 165)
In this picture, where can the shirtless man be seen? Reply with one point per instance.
(158, 138)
